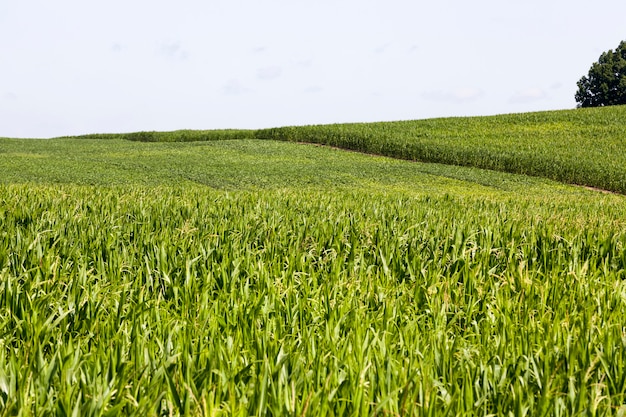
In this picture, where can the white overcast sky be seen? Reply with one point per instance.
(85, 66)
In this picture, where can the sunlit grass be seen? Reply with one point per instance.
(237, 164)
(582, 146)
(247, 277)
(156, 300)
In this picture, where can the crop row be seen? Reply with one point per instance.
(170, 300)
(583, 146)
(185, 135)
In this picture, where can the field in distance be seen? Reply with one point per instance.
(248, 277)
(582, 146)
(241, 164)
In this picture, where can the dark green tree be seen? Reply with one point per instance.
(605, 85)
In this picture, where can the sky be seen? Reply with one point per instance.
(70, 67)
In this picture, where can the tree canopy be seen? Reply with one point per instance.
(605, 85)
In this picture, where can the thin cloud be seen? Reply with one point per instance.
(382, 48)
(173, 50)
(233, 87)
(460, 95)
(314, 89)
(269, 73)
(9, 96)
(304, 63)
(529, 95)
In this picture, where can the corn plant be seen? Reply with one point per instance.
(179, 300)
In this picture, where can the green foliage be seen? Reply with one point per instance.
(174, 136)
(583, 146)
(185, 301)
(248, 277)
(234, 165)
(605, 84)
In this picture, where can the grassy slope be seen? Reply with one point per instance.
(184, 135)
(239, 164)
(583, 146)
(140, 300)
(326, 283)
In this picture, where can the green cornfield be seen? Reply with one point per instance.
(245, 277)
(582, 146)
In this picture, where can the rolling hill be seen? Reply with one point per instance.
(249, 273)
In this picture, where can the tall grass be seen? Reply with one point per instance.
(248, 277)
(185, 135)
(185, 301)
(240, 164)
(582, 146)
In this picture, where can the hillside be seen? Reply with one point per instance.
(582, 146)
(241, 164)
(228, 275)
